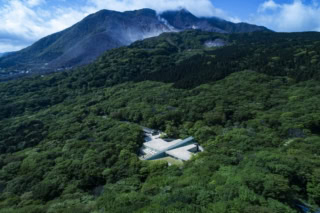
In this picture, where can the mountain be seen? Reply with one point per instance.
(4, 54)
(105, 30)
(183, 20)
(69, 141)
(86, 40)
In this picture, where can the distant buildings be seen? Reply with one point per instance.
(156, 148)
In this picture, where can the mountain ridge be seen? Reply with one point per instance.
(83, 42)
(179, 18)
(5, 54)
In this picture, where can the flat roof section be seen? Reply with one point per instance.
(160, 144)
(182, 153)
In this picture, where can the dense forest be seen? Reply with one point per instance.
(253, 104)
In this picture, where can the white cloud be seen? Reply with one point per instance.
(293, 17)
(268, 5)
(33, 3)
(29, 21)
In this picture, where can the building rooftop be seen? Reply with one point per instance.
(183, 153)
(155, 147)
(157, 143)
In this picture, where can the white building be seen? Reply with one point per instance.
(156, 148)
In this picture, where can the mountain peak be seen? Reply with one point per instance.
(142, 12)
(106, 29)
(183, 10)
(181, 19)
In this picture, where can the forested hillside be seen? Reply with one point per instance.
(253, 104)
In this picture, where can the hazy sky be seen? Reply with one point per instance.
(23, 22)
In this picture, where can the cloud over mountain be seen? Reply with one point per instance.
(199, 7)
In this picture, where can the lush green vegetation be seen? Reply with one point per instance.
(66, 148)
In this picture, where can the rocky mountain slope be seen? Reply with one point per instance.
(105, 30)
(183, 20)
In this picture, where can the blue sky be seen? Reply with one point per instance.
(23, 22)
(243, 9)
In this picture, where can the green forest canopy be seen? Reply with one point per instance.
(253, 104)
